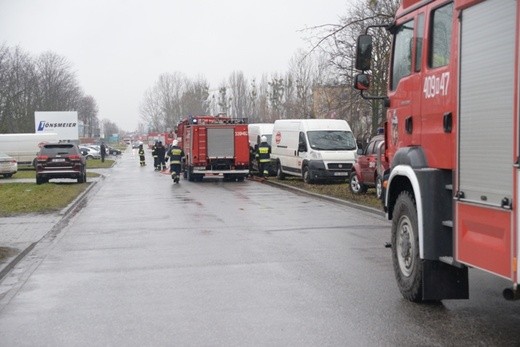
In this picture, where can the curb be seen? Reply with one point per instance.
(328, 198)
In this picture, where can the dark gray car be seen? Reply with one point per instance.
(60, 160)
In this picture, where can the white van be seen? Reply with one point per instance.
(314, 149)
(24, 147)
(256, 131)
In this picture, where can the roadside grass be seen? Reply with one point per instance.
(97, 164)
(336, 190)
(23, 198)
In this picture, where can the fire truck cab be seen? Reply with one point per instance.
(452, 141)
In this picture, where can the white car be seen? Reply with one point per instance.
(89, 153)
(8, 165)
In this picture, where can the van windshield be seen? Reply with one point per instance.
(332, 140)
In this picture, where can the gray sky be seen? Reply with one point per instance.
(118, 48)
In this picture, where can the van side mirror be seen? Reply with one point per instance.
(302, 147)
(363, 52)
(361, 81)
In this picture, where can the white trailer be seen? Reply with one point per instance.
(24, 147)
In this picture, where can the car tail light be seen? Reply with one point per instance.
(74, 157)
(42, 158)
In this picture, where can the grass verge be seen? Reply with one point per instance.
(336, 190)
(22, 198)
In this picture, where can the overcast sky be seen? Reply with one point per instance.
(118, 48)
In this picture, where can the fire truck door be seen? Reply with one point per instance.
(485, 173)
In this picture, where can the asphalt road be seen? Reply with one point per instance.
(146, 262)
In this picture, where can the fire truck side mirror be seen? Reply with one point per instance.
(363, 52)
(361, 82)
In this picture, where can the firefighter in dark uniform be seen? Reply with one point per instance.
(154, 154)
(175, 155)
(263, 155)
(160, 151)
(141, 155)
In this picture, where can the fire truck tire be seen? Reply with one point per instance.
(356, 187)
(405, 248)
(189, 175)
(279, 173)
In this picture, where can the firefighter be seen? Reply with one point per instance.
(141, 155)
(263, 155)
(160, 151)
(175, 155)
(154, 154)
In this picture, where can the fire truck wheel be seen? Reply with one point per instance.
(356, 187)
(279, 173)
(189, 175)
(405, 248)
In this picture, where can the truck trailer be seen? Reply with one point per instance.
(25, 146)
(452, 141)
(214, 146)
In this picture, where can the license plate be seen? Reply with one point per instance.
(340, 173)
(58, 160)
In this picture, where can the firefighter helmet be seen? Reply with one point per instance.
(175, 143)
(263, 139)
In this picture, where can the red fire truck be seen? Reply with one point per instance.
(165, 137)
(214, 145)
(452, 138)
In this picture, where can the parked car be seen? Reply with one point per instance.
(113, 151)
(89, 153)
(60, 160)
(364, 173)
(8, 165)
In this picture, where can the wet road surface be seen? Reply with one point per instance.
(148, 262)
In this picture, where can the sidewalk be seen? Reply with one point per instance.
(19, 234)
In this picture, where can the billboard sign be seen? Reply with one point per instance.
(65, 124)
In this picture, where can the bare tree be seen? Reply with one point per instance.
(17, 92)
(303, 72)
(338, 42)
(239, 91)
(223, 100)
(109, 127)
(88, 114)
(150, 110)
(276, 94)
(58, 87)
(195, 99)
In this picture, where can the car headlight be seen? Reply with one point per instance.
(315, 155)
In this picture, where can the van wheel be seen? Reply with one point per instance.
(356, 187)
(405, 248)
(279, 173)
(307, 178)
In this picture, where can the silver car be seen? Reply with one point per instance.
(89, 153)
(8, 165)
